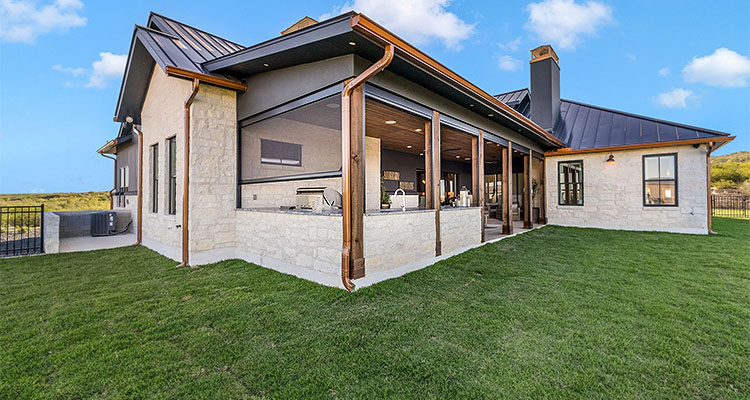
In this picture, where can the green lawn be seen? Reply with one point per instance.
(553, 313)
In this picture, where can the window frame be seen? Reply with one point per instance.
(675, 180)
(155, 178)
(171, 176)
(268, 161)
(559, 184)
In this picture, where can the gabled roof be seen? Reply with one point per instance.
(584, 126)
(178, 49)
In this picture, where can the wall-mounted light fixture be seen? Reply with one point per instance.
(611, 159)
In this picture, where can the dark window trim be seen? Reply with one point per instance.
(155, 178)
(171, 196)
(298, 177)
(559, 203)
(676, 184)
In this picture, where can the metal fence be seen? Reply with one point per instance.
(21, 230)
(730, 206)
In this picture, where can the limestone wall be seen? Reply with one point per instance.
(275, 194)
(460, 228)
(395, 239)
(51, 233)
(304, 245)
(613, 192)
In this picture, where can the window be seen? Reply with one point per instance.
(280, 153)
(570, 183)
(155, 178)
(660, 180)
(172, 188)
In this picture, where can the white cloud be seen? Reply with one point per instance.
(508, 63)
(562, 22)
(23, 21)
(677, 98)
(72, 71)
(417, 21)
(665, 72)
(512, 45)
(109, 66)
(38, 190)
(631, 56)
(723, 68)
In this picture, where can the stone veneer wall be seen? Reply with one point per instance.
(395, 239)
(460, 228)
(613, 192)
(278, 194)
(372, 173)
(51, 233)
(304, 245)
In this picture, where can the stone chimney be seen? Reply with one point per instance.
(301, 24)
(545, 87)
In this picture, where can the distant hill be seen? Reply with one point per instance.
(738, 157)
(730, 173)
(59, 201)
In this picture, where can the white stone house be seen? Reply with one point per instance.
(227, 151)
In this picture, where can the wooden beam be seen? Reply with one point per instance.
(527, 198)
(479, 195)
(436, 178)
(428, 192)
(357, 181)
(507, 161)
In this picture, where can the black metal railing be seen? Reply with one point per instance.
(21, 230)
(730, 206)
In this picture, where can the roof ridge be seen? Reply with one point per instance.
(157, 31)
(663, 121)
(197, 29)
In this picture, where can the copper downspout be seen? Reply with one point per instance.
(709, 149)
(186, 173)
(111, 203)
(346, 151)
(139, 134)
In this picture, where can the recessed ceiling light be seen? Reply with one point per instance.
(332, 105)
(471, 105)
(458, 156)
(265, 65)
(390, 122)
(490, 115)
(498, 144)
(408, 147)
(352, 44)
(418, 130)
(467, 158)
(421, 154)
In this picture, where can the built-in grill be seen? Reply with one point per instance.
(317, 198)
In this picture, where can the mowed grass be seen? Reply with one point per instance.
(553, 313)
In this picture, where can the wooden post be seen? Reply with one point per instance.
(527, 198)
(543, 194)
(436, 178)
(428, 195)
(357, 181)
(479, 195)
(507, 160)
(474, 170)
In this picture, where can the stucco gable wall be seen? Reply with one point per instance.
(613, 192)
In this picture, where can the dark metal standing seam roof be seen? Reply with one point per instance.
(583, 126)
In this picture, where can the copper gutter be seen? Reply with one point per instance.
(370, 28)
(567, 151)
(139, 134)
(346, 151)
(186, 173)
(111, 203)
(225, 83)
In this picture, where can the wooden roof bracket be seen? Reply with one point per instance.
(346, 150)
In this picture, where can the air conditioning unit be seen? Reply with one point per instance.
(103, 223)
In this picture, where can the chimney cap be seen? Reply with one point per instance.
(543, 52)
(301, 24)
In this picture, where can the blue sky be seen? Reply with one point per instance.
(61, 63)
